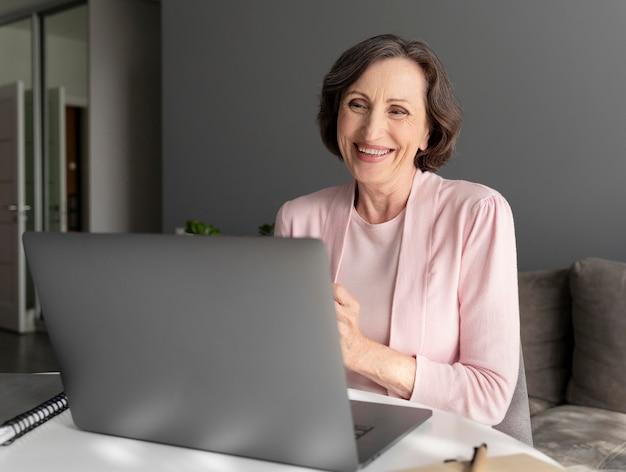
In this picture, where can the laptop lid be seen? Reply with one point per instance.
(227, 344)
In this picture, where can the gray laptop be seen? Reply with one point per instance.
(227, 344)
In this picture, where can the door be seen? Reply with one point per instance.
(55, 208)
(13, 211)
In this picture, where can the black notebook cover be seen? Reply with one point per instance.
(21, 392)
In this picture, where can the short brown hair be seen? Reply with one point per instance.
(442, 109)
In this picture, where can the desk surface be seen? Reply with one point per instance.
(59, 445)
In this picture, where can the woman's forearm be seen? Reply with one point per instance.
(385, 366)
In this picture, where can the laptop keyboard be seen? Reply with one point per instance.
(360, 430)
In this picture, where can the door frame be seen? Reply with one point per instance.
(13, 212)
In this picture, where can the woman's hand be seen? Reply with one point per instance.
(381, 364)
(352, 340)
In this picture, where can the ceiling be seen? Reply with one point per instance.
(11, 7)
(70, 24)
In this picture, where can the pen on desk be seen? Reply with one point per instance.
(478, 461)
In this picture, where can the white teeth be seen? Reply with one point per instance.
(374, 152)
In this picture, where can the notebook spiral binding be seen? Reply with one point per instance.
(30, 419)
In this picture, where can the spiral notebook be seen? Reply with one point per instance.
(226, 344)
(25, 422)
(28, 401)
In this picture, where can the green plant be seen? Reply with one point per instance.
(266, 229)
(198, 227)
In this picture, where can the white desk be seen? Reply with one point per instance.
(59, 446)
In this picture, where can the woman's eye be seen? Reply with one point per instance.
(357, 105)
(398, 112)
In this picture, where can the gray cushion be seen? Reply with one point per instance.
(545, 318)
(537, 405)
(598, 290)
(516, 422)
(590, 438)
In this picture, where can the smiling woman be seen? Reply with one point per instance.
(443, 111)
(381, 126)
(424, 268)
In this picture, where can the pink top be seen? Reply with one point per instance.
(454, 303)
(368, 270)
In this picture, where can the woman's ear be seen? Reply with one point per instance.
(424, 142)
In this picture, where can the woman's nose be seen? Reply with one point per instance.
(374, 125)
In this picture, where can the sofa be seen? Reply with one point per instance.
(573, 330)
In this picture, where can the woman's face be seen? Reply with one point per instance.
(382, 122)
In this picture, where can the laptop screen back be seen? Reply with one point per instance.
(227, 344)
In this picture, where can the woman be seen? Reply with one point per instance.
(424, 268)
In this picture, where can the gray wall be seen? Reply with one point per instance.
(124, 116)
(541, 83)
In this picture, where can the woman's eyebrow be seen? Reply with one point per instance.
(389, 100)
(356, 92)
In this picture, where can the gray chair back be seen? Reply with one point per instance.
(516, 422)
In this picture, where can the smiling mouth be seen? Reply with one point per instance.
(375, 153)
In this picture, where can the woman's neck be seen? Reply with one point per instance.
(377, 205)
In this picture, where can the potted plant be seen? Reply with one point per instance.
(199, 227)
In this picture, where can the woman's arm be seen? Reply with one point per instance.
(381, 364)
(480, 382)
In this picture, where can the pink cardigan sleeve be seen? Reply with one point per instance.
(482, 282)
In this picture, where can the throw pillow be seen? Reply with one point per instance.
(545, 322)
(598, 290)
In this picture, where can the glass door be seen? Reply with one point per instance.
(65, 51)
(17, 180)
(43, 144)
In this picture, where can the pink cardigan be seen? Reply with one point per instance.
(455, 304)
